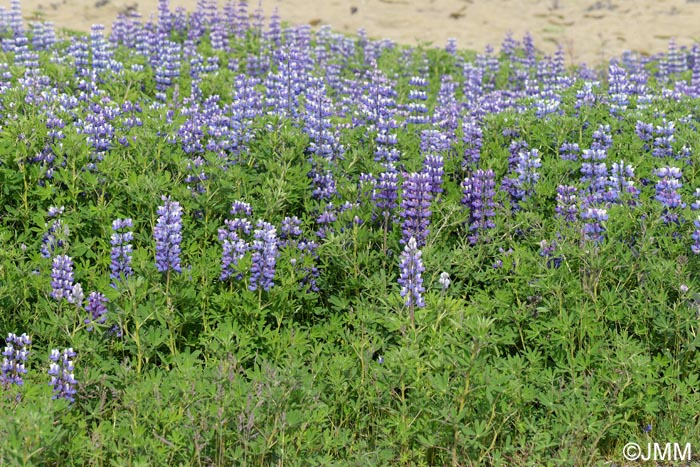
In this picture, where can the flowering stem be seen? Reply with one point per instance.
(385, 231)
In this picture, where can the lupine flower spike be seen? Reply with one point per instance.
(410, 277)
(14, 355)
(61, 372)
(97, 308)
(168, 236)
(264, 257)
(695, 248)
(62, 278)
(416, 208)
(593, 227)
(120, 266)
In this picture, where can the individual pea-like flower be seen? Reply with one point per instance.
(14, 356)
(410, 277)
(61, 370)
(168, 236)
(264, 257)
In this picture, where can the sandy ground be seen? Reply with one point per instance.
(590, 31)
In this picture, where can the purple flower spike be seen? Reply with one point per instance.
(667, 192)
(56, 236)
(14, 355)
(290, 230)
(232, 240)
(62, 277)
(168, 236)
(479, 191)
(120, 267)
(234, 248)
(386, 192)
(566, 203)
(417, 96)
(696, 237)
(593, 228)
(410, 278)
(97, 308)
(569, 151)
(264, 257)
(695, 206)
(527, 164)
(663, 141)
(473, 140)
(619, 90)
(434, 167)
(61, 372)
(416, 207)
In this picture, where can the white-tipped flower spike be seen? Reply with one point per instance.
(61, 372)
(410, 279)
(76, 295)
(168, 236)
(15, 354)
(444, 280)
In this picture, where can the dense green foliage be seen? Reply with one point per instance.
(516, 365)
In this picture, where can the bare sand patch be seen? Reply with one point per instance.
(590, 31)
